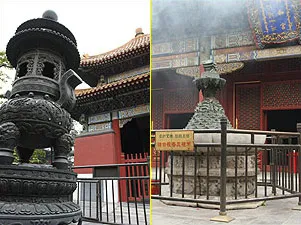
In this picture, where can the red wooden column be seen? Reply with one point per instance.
(200, 93)
(115, 127)
(119, 157)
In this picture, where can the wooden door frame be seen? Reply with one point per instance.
(235, 107)
(264, 110)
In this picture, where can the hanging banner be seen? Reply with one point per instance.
(274, 21)
(174, 140)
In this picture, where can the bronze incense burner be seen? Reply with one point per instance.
(36, 115)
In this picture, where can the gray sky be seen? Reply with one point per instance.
(98, 25)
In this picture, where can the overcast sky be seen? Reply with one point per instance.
(98, 25)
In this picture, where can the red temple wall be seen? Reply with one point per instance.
(94, 150)
(168, 101)
(249, 95)
(171, 93)
(259, 86)
(157, 109)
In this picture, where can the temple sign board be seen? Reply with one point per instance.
(174, 140)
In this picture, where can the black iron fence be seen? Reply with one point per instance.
(117, 194)
(229, 166)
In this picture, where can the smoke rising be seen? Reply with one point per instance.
(172, 19)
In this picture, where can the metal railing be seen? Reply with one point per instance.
(114, 195)
(227, 171)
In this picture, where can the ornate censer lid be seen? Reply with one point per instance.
(45, 56)
(208, 113)
(44, 33)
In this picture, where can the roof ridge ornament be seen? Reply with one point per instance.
(139, 32)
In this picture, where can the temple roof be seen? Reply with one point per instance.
(85, 94)
(139, 44)
(117, 95)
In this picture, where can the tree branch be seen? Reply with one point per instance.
(7, 66)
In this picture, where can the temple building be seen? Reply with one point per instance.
(114, 112)
(256, 47)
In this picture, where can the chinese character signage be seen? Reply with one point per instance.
(105, 117)
(274, 21)
(174, 140)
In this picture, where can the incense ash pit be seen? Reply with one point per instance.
(208, 115)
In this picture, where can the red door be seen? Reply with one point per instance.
(247, 106)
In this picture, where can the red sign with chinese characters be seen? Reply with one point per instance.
(174, 140)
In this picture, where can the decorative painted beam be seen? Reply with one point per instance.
(176, 61)
(265, 54)
(223, 68)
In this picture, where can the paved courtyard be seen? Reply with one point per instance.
(274, 212)
(277, 212)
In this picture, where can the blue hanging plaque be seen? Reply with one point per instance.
(274, 21)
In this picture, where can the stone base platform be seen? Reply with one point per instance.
(204, 164)
(37, 195)
(249, 205)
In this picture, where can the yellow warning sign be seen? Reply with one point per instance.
(174, 140)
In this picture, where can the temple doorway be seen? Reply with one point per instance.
(135, 136)
(283, 120)
(178, 121)
(286, 121)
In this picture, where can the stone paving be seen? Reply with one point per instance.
(277, 212)
(274, 212)
(128, 214)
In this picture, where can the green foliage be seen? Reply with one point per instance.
(38, 157)
(3, 60)
(3, 64)
(16, 157)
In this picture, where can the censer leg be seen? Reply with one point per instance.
(61, 150)
(9, 137)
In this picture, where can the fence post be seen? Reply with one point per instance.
(274, 140)
(223, 182)
(123, 182)
(299, 166)
(148, 162)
